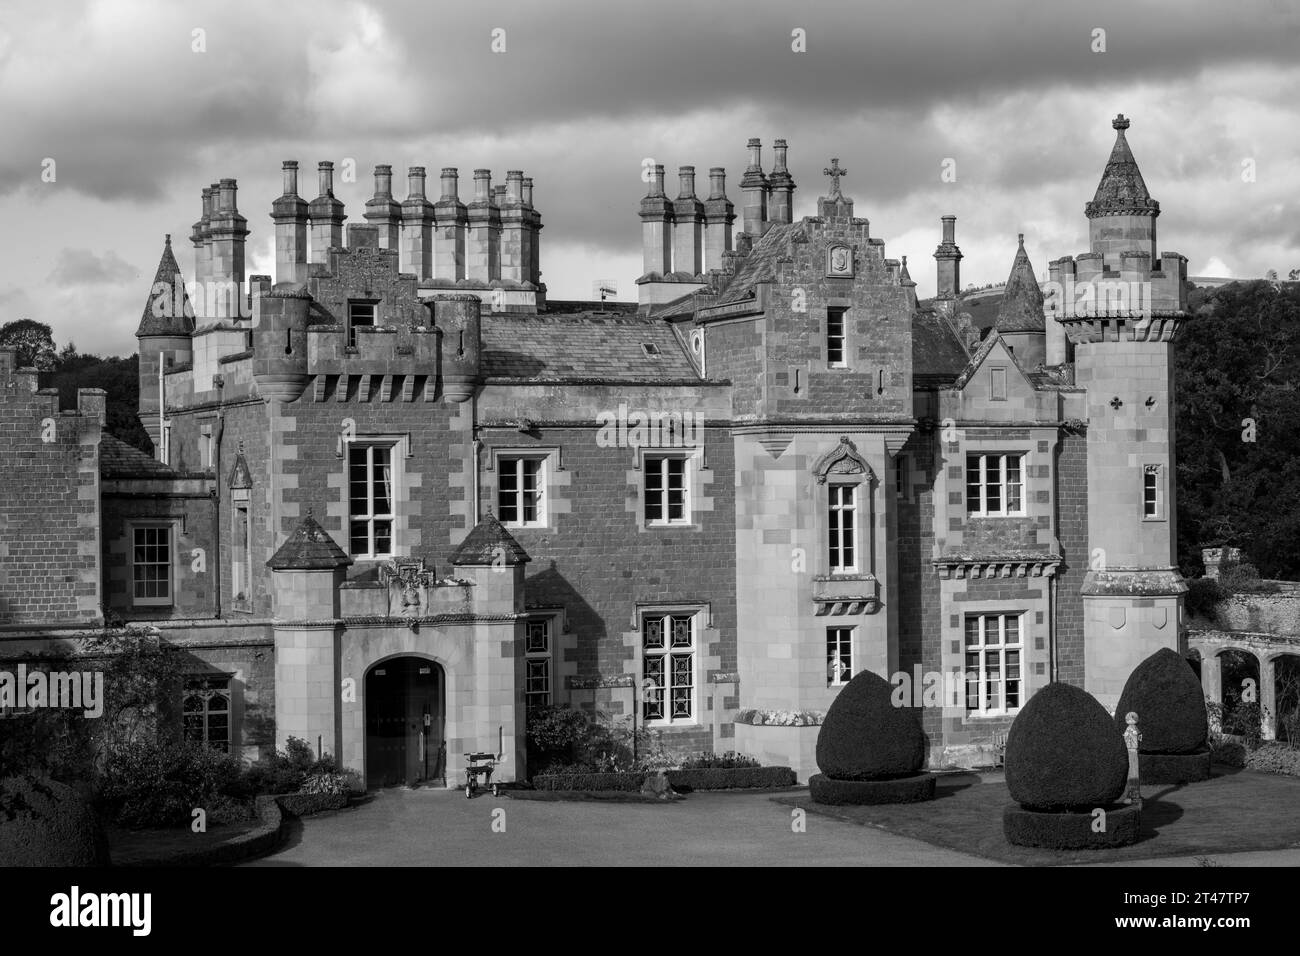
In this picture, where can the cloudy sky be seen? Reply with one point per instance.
(1013, 92)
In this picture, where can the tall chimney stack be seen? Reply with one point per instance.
(532, 231)
(781, 208)
(449, 229)
(515, 255)
(384, 211)
(755, 187)
(688, 225)
(483, 255)
(202, 249)
(326, 215)
(948, 260)
(417, 227)
(719, 214)
(289, 213)
(656, 227)
(228, 231)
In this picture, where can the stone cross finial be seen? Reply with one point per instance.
(1119, 122)
(834, 172)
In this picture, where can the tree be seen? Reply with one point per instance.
(34, 342)
(1293, 275)
(1271, 275)
(1237, 369)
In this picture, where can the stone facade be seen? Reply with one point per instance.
(400, 461)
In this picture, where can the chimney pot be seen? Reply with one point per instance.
(383, 181)
(450, 184)
(482, 185)
(527, 190)
(415, 182)
(949, 228)
(686, 177)
(325, 171)
(291, 177)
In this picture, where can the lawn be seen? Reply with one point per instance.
(1235, 810)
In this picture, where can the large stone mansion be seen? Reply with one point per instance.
(399, 497)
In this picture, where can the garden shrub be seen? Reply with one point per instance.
(722, 761)
(1203, 595)
(1166, 695)
(589, 781)
(1244, 579)
(46, 823)
(148, 783)
(731, 778)
(1064, 752)
(1274, 757)
(285, 771)
(865, 737)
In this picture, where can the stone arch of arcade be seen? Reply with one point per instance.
(1273, 654)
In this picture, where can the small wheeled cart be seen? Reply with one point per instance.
(478, 774)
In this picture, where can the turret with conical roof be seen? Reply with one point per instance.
(1122, 214)
(1020, 313)
(164, 336)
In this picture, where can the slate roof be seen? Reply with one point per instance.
(1020, 307)
(117, 459)
(488, 543)
(937, 355)
(1121, 189)
(760, 264)
(308, 548)
(583, 345)
(151, 324)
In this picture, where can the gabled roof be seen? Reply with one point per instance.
(1020, 308)
(160, 310)
(1121, 189)
(117, 459)
(309, 548)
(991, 341)
(489, 543)
(608, 346)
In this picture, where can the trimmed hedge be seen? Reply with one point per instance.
(627, 781)
(1064, 752)
(1274, 757)
(913, 789)
(1175, 768)
(305, 804)
(731, 778)
(46, 823)
(865, 737)
(709, 778)
(1071, 831)
(1166, 695)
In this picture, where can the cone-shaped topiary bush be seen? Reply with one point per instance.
(865, 737)
(44, 823)
(1165, 694)
(1064, 752)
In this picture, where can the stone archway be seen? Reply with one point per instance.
(405, 715)
(1286, 696)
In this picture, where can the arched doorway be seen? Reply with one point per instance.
(405, 720)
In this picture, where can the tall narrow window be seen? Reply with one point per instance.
(537, 663)
(994, 485)
(993, 649)
(151, 565)
(835, 337)
(1153, 493)
(360, 315)
(370, 495)
(839, 656)
(520, 491)
(666, 492)
(668, 663)
(842, 526)
(206, 711)
(901, 477)
(207, 457)
(241, 555)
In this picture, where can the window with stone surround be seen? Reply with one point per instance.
(998, 378)
(839, 656)
(842, 527)
(1153, 493)
(151, 565)
(994, 652)
(835, 338)
(667, 489)
(371, 497)
(668, 658)
(537, 662)
(995, 485)
(241, 554)
(521, 491)
(902, 478)
(206, 711)
(360, 314)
